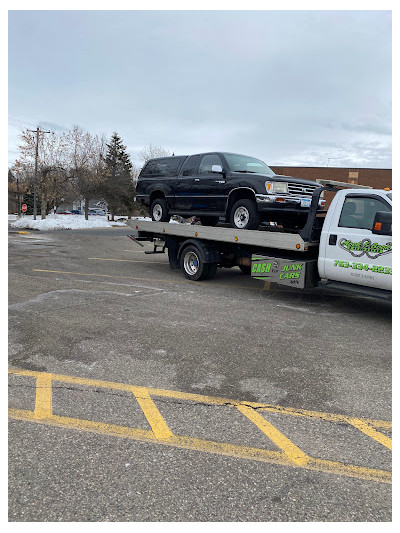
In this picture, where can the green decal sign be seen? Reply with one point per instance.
(261, 268)
(277, 270)
(371, 249)
(360, 266)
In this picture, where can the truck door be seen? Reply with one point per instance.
(353, 254)
(206, 191)
(184, 183)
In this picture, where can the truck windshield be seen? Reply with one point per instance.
(243, 163)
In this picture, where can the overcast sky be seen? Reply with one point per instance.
(309, 88)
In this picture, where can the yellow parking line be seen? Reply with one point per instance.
(331, 417)
(290, 454)
(190, 443)
(371, 432)
(121, 260)
(153, 415)
(291, 450)
(43, 404)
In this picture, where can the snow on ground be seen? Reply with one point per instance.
(54, 222)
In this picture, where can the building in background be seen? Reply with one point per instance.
(377, 178)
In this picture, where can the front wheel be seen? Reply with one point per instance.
(159, 210)
(245, 215)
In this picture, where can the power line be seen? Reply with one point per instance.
(19, 122)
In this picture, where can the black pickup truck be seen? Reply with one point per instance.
(242, 190)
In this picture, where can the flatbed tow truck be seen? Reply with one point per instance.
(346, 248)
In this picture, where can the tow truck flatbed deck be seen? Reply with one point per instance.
(263, 238)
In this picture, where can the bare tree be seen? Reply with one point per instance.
(87, 167)
(53, 181)
(153, 151)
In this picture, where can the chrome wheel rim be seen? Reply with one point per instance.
(157, 212)
(241, 217)
(191, 263)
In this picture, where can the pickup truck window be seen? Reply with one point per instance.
(162, 167)
(191, 165)
(207, 162)
(168, 166)
(359, 212)
(245, 164)
(149, 169)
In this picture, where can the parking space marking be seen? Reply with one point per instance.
(371, 432)
(180, 281)
(153, 415)
(43, 404)
(291, 450)
(136, 251)
(289, 454)
(120, 260)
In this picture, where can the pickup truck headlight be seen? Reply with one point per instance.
(276, 186)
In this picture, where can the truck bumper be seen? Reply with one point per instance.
(267, 202)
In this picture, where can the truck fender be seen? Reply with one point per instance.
(208, 253)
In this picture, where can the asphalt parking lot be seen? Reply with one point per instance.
(137, 395)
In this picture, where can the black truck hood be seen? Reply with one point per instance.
(275, 177)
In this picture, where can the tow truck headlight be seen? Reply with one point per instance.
(276, 186)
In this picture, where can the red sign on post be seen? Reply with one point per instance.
(24, 208)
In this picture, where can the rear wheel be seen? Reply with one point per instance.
(209, 221)
(193, 265)
(244, 215)
(159, 210)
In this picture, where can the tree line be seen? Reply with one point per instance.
(77, 165)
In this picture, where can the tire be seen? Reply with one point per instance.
(192, 265)
(159, 210)
(244, 215)
(246, 269)
(209, 221)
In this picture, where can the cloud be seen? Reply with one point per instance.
(279, 85)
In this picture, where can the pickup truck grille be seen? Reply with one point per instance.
(300, 190)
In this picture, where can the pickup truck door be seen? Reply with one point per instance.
(351, 252)
(202, 189)
(184, 184)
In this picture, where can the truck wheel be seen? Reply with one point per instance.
(244, 215)
(192, 264)
(209, 221)
(159, 210)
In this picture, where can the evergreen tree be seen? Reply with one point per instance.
(118, 185)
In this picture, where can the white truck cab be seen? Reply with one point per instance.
(356, 244)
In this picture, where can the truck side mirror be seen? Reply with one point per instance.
(216, 168)
(382, 223)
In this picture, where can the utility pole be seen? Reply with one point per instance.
(37, 131)
(18, 198)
